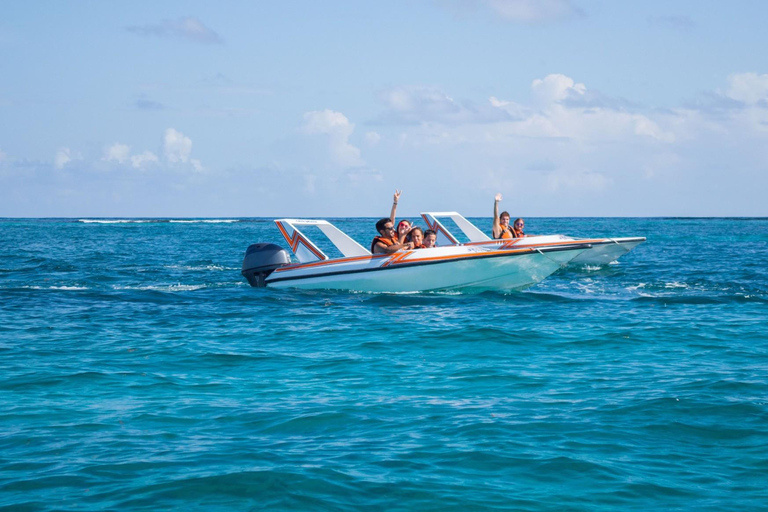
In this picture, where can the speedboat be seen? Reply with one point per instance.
(451, 268)
(601, 252)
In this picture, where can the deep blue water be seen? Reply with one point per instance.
(141, 372)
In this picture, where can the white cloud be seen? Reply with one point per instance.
(533, 11)
(121, 153)
(566, 111)
(372, 138)
(338, 129)
(62, 158)
(144, 160)
(645, 127)
(555, 88)
(591, 144)
(176, 146)
(749, 88)
(420, 104)
(189, 28)
(513, 108)
(327, 121)
(117, 153)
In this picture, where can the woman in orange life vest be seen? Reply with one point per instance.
(501, 228)
(517, 228)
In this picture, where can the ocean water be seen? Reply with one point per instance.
(141, 372)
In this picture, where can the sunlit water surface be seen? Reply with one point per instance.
(141, 372)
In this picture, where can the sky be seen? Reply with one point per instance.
(323, 109)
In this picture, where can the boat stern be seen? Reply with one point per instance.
(261, 260)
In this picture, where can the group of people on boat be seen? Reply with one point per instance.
(408, 237)
(405, 237)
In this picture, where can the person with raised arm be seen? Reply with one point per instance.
(501, 228)
(404, 227)
(388, 240)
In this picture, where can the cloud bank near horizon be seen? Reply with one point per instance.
(565, 144)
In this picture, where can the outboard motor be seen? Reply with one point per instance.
(261, 260)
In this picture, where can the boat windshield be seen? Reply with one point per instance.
(326, 240)
(321, 240)
(453, 228)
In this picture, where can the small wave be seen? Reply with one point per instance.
(204, 221)
(178, 287)
(164, 288)
(150, 221)
(114, 221)
(700, 299)
(675, 284)
(64, 288)
(586, 286)
(202, 267)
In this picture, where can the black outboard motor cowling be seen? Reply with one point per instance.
(261, 260)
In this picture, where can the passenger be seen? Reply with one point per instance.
(403, 229)
(387, 242)
(501, 228)
(416, 237)
(517, 228)
(430, 239)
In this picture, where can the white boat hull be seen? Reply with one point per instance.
(602, 252)
(606, 252)
(430, 270)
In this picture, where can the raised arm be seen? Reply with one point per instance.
(496, 230)
(395, 199)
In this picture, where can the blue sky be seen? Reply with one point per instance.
(318, 109)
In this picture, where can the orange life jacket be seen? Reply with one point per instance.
(419, 246)
(384, 240)
(506, 233)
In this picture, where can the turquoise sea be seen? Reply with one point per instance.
(141, 372)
